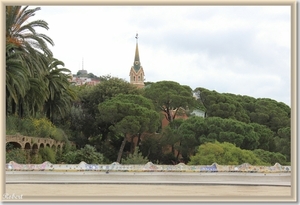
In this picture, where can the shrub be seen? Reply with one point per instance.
(26, 127)
(43, 127)
(36, 159)
(87, 154)
(71, 157)
(58, 134)
(12, 125)
(16, 155)
(168, 158)
(135, 158)
(47, 154)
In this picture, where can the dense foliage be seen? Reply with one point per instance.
(87, 154)
(128, 115)
(169, 96)
(36, 127)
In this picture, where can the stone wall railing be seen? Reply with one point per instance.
(149, 167)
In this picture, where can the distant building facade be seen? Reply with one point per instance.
(78, 80)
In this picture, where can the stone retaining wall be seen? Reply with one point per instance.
(149, 167)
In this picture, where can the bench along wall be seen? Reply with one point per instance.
(149, 167)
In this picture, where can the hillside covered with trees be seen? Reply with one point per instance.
(99, 123)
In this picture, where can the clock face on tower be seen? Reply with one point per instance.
(136, 62)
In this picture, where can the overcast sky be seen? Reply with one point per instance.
(230, 49)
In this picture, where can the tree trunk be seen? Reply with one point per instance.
(13, 107)
(139, 139)
(170, 115)
(178, 152)
(21, 110)
(173, 150)
(6, 107)
(121, 149)
(132, 145)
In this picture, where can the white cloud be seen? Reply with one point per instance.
(236, 49)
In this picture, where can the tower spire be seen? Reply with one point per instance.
(82, 64)
(136, 62)
(137, 72)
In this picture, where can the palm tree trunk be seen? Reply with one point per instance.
(121, 149)
(13, 107)
(21, 110)
(6, 106)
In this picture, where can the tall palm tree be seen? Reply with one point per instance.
(16, 77)
(22, 33)
(26, 54)
(61, 94)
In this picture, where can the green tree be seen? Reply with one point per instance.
(152, 147)
(178, 136)
(60, 90)
(221, 105)
(270, 113)
(283, 142)
(201, 130)
(16, 77)
(224, 154)
(169, 96)
(128, 115)
(266, 137)
(90, 98)
(270, 157)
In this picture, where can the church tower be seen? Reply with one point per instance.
(137, 72)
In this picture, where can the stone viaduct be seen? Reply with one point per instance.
(33, 143)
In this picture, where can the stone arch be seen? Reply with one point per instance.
(53, 147)
(47, 145)
(13, 145)
(35, 148)
(27, 146)
(42, 145)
